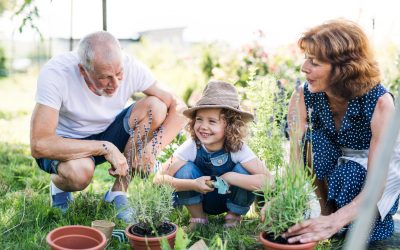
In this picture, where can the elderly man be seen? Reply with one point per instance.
(80, 119)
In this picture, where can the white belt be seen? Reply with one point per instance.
(392, 187)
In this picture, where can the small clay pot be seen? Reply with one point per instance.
(76, 237)
(269, 245)
(153, 243)
(105, 226)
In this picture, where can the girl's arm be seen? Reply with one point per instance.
(166, 176)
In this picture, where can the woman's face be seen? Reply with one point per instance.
(317, 74)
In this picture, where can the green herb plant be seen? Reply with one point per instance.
(267, 131)
(152, 204)
(288, 200)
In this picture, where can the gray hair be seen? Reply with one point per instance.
(98, 42)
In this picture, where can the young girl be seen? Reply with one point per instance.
(217, 127)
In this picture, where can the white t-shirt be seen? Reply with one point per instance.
(81, 112)
(188, 151)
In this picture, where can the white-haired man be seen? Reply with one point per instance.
(81, 120)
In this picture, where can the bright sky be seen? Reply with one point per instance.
(232, 20)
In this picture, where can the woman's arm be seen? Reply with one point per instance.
(324, 227)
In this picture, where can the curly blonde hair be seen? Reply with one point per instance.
(344, 45)
(235, 132)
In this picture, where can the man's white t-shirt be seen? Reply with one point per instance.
(81, 112)
(188, 151)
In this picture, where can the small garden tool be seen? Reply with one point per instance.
(218, 183)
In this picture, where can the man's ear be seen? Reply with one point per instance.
(81, 69)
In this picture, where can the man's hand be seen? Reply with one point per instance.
(119, 165)
(201, 186)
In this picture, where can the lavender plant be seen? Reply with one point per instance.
(152, 204)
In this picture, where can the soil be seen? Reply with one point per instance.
(164, 229)
(279, 240)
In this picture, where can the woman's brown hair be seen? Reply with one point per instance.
(235, 132)
(345, 46)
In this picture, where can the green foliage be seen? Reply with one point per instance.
(3, 68)
(267, 131)
(181, 241)
(252, 57)
(170, 149)
(152, 204)
(392, 72)
(29, 13)
(288, 199)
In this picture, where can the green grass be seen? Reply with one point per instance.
(25, 213)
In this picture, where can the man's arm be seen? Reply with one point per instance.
(175, 119)
(45, 143)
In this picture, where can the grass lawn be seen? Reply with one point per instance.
(25, 214)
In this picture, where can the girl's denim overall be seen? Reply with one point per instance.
(216, 163)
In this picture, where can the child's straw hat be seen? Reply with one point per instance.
(218, 94)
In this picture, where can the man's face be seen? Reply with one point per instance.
(104, 79)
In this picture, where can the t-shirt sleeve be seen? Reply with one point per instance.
(187, 151)
(50, 88)
(138, 74)
(245, 154)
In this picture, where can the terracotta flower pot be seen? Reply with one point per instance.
(76, 237)
(269, 245)
(104, 226)
(153, 243)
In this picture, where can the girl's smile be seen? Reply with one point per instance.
(209, 128)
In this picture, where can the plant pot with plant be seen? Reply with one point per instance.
(152, 206)
(287, 203)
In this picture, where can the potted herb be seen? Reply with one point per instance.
(288, 200)
(152, 206)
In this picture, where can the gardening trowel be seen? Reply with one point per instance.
(218, 183)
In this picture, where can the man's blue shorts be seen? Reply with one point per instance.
(117, 133)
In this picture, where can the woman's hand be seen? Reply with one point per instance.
(201, 186)
(320, 228)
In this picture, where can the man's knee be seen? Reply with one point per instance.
(158, 110)
(77, 173)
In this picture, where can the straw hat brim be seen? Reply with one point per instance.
(246, 116)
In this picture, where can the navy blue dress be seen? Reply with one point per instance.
(345, 181)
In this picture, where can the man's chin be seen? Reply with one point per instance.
(105, 93)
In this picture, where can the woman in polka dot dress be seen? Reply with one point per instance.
(343, 110)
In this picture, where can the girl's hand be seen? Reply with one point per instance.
(201, 186)
(320, 228)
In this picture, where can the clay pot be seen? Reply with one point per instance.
(76, 237)
(153, 243)
(104, 226)
(269, 245)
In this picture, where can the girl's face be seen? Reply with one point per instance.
(209, 128)
(317, 74)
